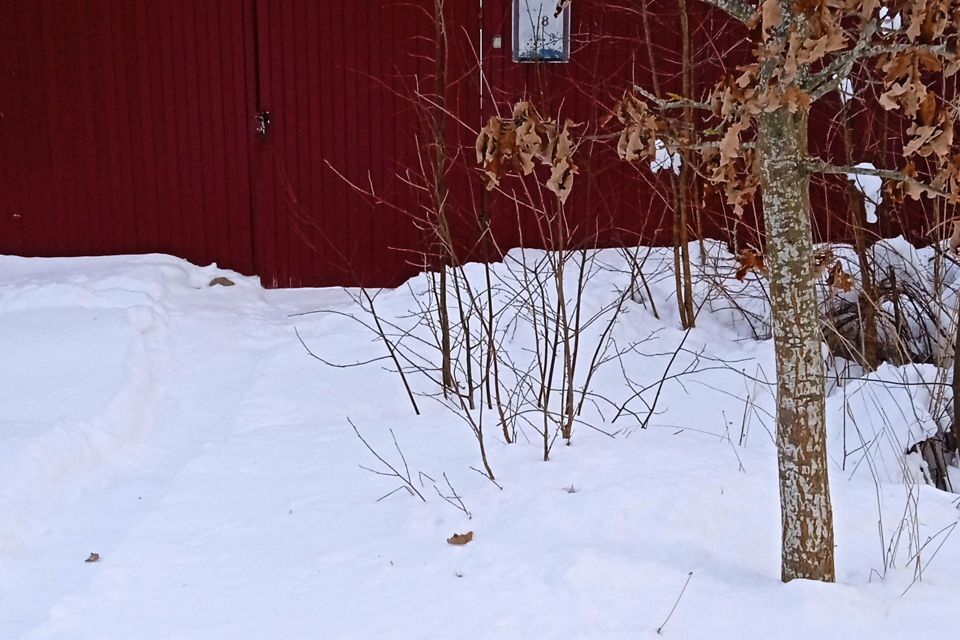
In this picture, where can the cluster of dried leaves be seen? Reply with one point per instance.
(512, 145)
(825, 264)
(921, 50)
(828, 265)
(641, 130)
(803, 50)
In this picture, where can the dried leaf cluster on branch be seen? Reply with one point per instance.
(825, 263)
(803, 50)
(642, 128)
(512, 145)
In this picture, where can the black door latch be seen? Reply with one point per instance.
(263, 123)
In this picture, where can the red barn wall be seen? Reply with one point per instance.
(129, 127)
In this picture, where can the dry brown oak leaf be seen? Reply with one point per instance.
(460, 538)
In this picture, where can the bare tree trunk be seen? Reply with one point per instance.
(806, 513)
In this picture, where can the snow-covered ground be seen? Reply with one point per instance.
(182, 432)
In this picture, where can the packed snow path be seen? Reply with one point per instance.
(180, 431)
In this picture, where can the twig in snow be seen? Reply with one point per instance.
(405, 479)
(387, 495)
(336, 365)
(377, 328)
(948, 529)
(674, 607)
(727, 424)
(499, 486)
(453, 498)
(423, 475)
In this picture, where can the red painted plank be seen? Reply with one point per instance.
(62, 143)
(265, 184)
(150, 152)
(325, 147)
(253, 49)
(199, 123)
(290, 206)
(315, 127)
(340, 144)
(219, 239)
(172, 224)
(11, 133)
(102, 194)
(118, 122)
(134, 125)
(237, 201)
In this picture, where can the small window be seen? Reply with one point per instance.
(539, 33)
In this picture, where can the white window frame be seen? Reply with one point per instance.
(522, 52)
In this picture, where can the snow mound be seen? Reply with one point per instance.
(184, 434)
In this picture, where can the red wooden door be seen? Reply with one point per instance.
(123, 129)
(333, 199)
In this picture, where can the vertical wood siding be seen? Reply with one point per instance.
(124, 129)
(128, 127)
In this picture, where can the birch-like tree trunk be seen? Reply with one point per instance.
(805, 508)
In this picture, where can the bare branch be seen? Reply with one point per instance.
(830, 77)
(676, 103)
(940, 50)
(819, 166)
(348, 365)
(394, 473)
(454, 498)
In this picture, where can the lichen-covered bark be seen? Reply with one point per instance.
(806, 513)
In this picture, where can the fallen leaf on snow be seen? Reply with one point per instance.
(460, 538)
